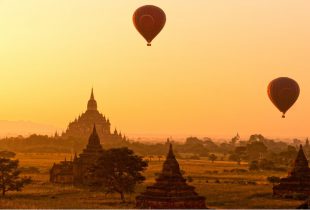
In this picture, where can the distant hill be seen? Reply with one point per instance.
(25, 128)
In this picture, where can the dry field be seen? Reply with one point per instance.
(232, 191)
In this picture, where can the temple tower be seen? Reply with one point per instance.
(300, 166)
(80, 128)
(298, 180)
(170, 190)
(92, 103)
(88, 157)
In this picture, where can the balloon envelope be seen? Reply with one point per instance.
(149, 20)
(283, 92)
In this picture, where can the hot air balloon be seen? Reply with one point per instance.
(149, 20)
(283, 92)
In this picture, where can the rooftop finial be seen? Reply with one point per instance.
(92, 104)
(92, 94)
(170, 153)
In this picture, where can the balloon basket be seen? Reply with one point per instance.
(149, 44)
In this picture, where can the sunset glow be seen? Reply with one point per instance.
(206, 73)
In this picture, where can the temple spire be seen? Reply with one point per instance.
(301, 163)
(92, 94)
(170, 154)
(92, 104)
(170, 190)
(171, 166)
(94, 138)
(75, 157)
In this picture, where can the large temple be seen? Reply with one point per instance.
(298, 180)
(82, 126)
(74, 172)
(170, 190)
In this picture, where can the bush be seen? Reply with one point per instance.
(190, 179)
(273, 179)
(266, 165)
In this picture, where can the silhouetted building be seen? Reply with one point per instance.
(298, 180)
(170, 190)
(62, 173)
(82, 126)
(74, 172)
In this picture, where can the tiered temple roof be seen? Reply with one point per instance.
(74, 172)
(298, 180)
(93, 147)
(170, 190)
(82, 126)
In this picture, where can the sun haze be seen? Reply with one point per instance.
(206, 73)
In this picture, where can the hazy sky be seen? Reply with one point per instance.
(206, 73)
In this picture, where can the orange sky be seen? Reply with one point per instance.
(206, 73)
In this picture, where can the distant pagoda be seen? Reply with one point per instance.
(170, 190)
(82, 126)
(74, 172)
(298, 180)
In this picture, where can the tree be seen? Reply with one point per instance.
(212, 157)
(235, 157)
(255, 150)
(287, 156)
(256, 137)
(273, 180)
(265, 164)
(159, 157)
(118, 170)
(151, 157)
(9, 176)
(239, 154)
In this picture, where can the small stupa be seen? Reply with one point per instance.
(170, 190)
(298, 180)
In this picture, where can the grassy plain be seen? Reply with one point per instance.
(234, 190)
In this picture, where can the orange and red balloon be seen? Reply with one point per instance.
(149, 20)
(283, 93)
